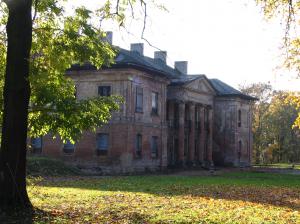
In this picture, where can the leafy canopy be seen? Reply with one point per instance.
(58, 42)
(289, 13)
(276, 138)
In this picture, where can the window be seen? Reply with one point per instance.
(154, 146)
(240, 150)
(239, 118)
(247, 148)
(69, 147)
(102, 143)
(104, 90)
(154, 103)
(139, 100)
(36, 145)
(138, 149)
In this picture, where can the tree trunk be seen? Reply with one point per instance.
(16, 98)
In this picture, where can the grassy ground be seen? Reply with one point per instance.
(249, 197)
(236, 197)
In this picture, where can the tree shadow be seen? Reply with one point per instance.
(214, 187)
(26, 216)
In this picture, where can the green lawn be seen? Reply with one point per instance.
(236, 197)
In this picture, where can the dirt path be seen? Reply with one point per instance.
(220, 171)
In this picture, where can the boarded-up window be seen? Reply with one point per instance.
(68, 147)
(139, 99)
(154, 146)
(102, 143)
(104, 90)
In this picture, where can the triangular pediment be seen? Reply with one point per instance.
(200, 85)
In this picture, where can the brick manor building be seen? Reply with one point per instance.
(169, 118)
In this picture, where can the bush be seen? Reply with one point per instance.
(42, 166)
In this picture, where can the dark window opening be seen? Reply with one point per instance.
(240, 150)
(154, 146)
(36, 145)
(102, 144)
(239, 118)
(138, 149)
(104, 90)
(139, 100)
(154, 103)
(69, 147)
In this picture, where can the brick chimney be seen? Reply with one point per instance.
(160, 56)
(181, 66)
(138, 48)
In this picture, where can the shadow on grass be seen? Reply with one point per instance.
(271, 189)
(27, 216)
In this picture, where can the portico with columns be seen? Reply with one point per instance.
(190, 121)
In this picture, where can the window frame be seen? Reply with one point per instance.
(68, 150)
(154, 98)
(154, 147)
(239, 118)
(138, 145)
(139, 99)
(240, 148)
(102, 151)
(36, 150)
(101, 91)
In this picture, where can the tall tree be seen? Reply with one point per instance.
(16, 100)
(263, 92)
(284, 139)
(289, 13)
(276, 139)
(37, 61)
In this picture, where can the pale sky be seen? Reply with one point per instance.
(224, 39)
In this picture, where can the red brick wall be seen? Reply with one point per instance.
(123, 127)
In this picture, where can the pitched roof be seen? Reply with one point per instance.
(125, 57)
(184, 79)
(223, 89)
(131, 59)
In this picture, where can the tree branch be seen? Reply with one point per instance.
(35, 10)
